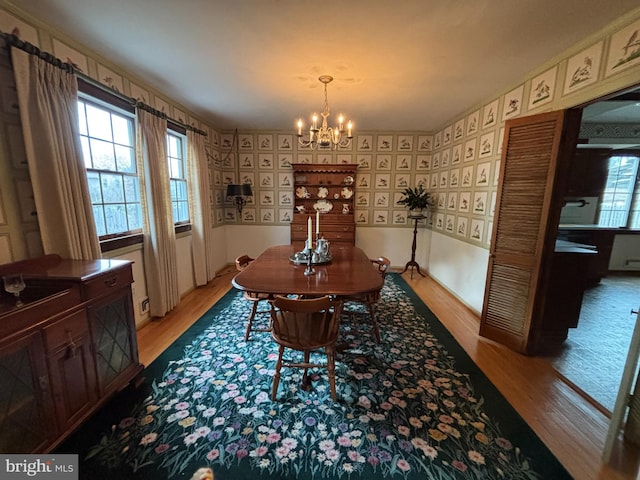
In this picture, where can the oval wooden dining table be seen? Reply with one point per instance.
(349, 273)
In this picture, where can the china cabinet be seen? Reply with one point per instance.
(65, 350)
(330, 190)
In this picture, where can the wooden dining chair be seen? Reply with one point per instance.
(305, 325)
(369, 300)
(255, 298)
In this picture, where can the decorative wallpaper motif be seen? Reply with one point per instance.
(624, 49)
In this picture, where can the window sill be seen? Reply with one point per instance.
(137, 239)
(120, 242)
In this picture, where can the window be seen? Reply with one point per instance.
(178, 177)
(618, 196)
(108, 147)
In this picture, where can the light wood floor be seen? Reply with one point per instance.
(571, 427)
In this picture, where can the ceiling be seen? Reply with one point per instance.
(398, 65)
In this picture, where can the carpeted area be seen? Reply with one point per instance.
(412, 407)
(593, 356)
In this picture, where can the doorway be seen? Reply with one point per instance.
(593, 356)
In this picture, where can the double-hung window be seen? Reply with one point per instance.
(107, 135)
(176, 157)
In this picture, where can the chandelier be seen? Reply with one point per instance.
(325, 136)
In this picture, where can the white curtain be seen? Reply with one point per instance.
(159, 234)
(200, 206)
(47, 98)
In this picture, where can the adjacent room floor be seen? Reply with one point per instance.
(595, 353)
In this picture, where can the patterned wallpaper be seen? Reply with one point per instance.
(465, 163)
(387, 163)
(459, 163)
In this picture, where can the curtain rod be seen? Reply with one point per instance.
(13, 41)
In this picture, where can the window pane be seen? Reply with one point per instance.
(182, 191)
(183, 212)
(617, 197)
(134, 215)
(125, 159)
(95, 191)
(174, 168)
(86, 152)
(173, 189)
(102, 154)
(112, 188)
(174, 212)
(173, 146)
(116, 218)
(98, 217)
(131, 189)
(82, 119)
(99, 123)
(122, 131)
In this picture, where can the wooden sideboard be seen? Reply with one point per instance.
(331, 190)
(63, 353)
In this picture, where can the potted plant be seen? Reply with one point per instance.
(416, 199)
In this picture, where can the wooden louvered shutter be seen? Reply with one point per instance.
(525, 225)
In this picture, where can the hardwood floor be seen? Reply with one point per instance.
(571, 427)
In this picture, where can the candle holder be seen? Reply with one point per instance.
(309, 270)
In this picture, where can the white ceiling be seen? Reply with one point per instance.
(401, 65)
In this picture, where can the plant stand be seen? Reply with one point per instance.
(412, 262)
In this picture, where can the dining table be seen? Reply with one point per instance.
(275, 271)
(349, 272)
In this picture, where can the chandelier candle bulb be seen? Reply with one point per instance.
(349, 128)
(299, 127)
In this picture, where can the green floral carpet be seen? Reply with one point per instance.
(413, 407)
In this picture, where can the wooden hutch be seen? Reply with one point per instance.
(329, 189)
(66, 350)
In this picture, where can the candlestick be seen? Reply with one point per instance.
(317, 223)
(309, 229)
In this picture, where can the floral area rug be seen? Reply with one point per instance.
(412, 407)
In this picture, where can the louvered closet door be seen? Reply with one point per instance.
(524, 230)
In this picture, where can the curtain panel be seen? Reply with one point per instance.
(200, 205)
(47, 99)
(158, 230)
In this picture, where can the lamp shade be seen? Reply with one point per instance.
(246, 190)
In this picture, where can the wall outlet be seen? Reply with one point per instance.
(144, 305)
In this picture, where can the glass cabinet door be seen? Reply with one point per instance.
(115, 346)
(26, 423)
